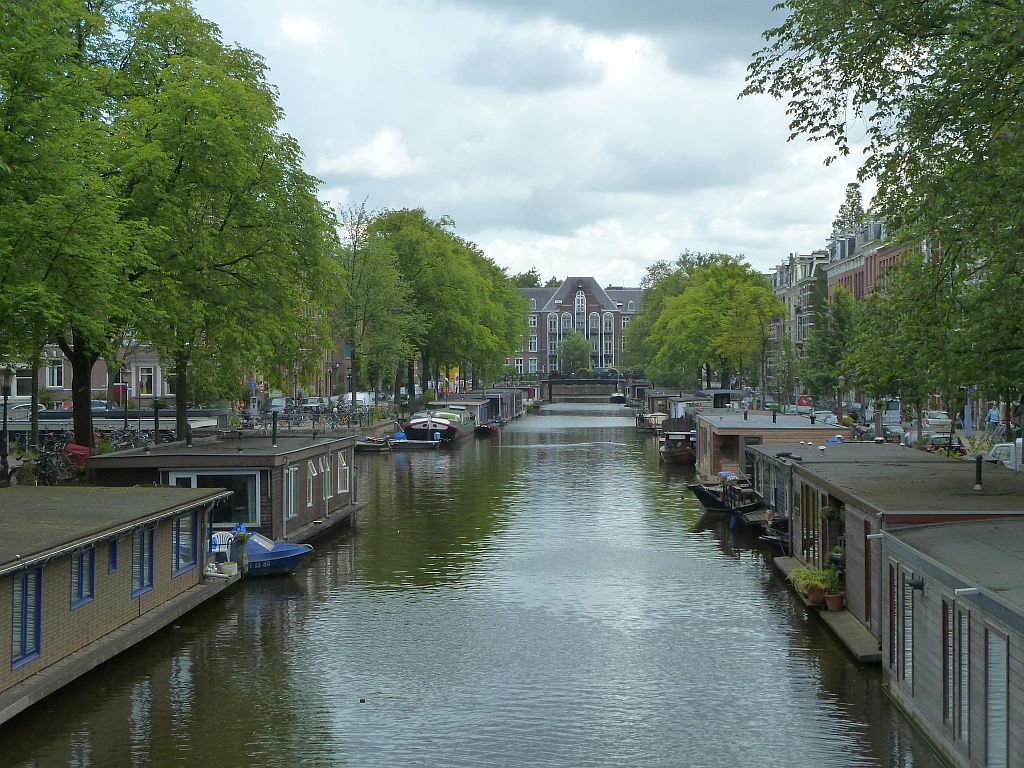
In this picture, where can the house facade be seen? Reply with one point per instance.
(578, 304)
(86, 571)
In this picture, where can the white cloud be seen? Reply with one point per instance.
(302, 29)
(578, 138)
(384, 156)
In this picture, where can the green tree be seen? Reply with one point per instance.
(930, 88)
(242, 269)
(827, 343)
(573, 352)
(851, 212)
(553, 282)
(528, 279)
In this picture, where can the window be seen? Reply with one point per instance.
(908, 630)
(142, 561)
(533, 365)
(533, 303)
(581, 302)
(291, 492)
(948, 662)
(145, 380)
(25, 616)
(183, 546)
(630, 306)
(310, 474)
(533, 321)
(83, 582)
(996, 689)
(625, 321)
(342, 474)
(242, 506)
(552, 324)
(55, 374)
(533, 344)
(112, 556)
(566, 321)
(519, 365)
(963, 673)
(325, 465)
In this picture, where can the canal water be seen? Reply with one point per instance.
(552, 597)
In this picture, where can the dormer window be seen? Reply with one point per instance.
(630, 307)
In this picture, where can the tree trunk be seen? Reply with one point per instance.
(82, 360)
(181, 395)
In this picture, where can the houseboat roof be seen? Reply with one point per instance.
(458, 402)
(42, 522)
(986, 553)
(220, 452)
(888, 478)
(731, 420)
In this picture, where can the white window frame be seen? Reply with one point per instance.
(55, 374)
(140, 375)
(533, 343)
(342, 473)
(533, 365)
(191, 473)
(325, 464)
(291, 492)
(533, 321)
(310, 474)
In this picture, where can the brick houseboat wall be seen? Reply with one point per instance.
(64, 630)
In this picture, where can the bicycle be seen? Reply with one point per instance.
(51, 468)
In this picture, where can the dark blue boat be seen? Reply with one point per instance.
(270, 558)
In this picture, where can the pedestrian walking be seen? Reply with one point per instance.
(993, 417)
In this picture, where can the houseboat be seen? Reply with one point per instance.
(678, 448)
(447, 426)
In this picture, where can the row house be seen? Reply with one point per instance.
(858, 259)
(793, 282)
(578, 304)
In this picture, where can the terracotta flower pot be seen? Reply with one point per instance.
(835, 601)
(816, 595)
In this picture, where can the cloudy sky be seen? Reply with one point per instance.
(581, 137)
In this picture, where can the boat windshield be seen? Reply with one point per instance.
(261, 540)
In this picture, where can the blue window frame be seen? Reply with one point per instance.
(142, 561)
(83, 581)
(112, 556)
(183, 542)
(26, 616)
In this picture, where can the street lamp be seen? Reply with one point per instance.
(6, 382)
(839, 399)
(796, 397)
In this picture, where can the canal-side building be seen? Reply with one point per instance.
(86, 572)
(953, 653)
(578, 304)
(290, 489)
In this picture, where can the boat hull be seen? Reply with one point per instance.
(683, 455)
(283, 559)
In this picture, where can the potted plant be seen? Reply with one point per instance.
(834, 600)
(228, 568)
(813, 582)
(838, 557)
(830, 512)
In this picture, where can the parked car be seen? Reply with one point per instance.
(278, 404)
(1007, 454)
(945, 442)
(936, 421)
(824, 417)
(890, 433)
(22, 411)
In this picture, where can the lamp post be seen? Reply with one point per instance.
(839, 399)
(796, 397)
(6, 382)
(351, 389)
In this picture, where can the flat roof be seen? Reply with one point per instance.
(174, 454)
(884, 477)
(38, 522)
(986, 553)
(456, 401)
(761, 421)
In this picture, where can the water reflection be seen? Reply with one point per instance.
(550, 598)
